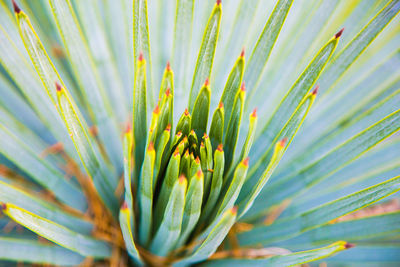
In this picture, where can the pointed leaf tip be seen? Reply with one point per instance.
(168, 128)
(243, 87)
(124, 206)
(220, 105)
(141, 56)
(207, 82)
(151, 146)
(156, 109)
(186, 112)
(242, 53)
(349, 245)
(283, 142)
(315, 91)
(220, 148)
(199, 173)
(197, 160)
(168, 67)
(205, 136)
(246, 161)
(234, 210)
(168, 92)
(182, 179)
(16, 7)
(58, 87)
(339, 33)
(128, 127)
(254, 113)
(218, 2)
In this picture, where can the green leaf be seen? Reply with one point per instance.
(88, 78)
(200, 110)
(353, 49)
(105, 185)
(213, 240)
(216, 184)
(206, 54)
(250, 196)
(94, 30)
(191, 214)
(141, 42)
(232, 131)
(126, 219)
(14, 195)
(171, 176)
(139, 112)
(30, 251)
(295, 96)
(258, 176)
(184, 123)
(265, 43)
(39, 57)
(253, 118)
(231, 88)
(182, 41)
(337, 158)
(217, 127)
(145, 195)
(160, 152)
(323, 214)
(28, 82)
(353, 230)
(40, 170)
(170, 228)
(82, 244)
(292, 259)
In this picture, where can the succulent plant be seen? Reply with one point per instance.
(97, 168)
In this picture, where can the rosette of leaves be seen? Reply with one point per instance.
(112, 156)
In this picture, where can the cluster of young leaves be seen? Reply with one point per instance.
(185, 187)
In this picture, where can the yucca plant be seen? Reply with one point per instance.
(98, 168)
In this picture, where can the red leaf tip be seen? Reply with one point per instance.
(339, 33)
(199, 173)
(205, 136)
(151, 146)
(168, 92)
(349, 245)
(207, 82)
(124, 206)
(242, 53)
(168, 67)
(283, 142)
(182, 179)
(315, 91)
(141, 56)
(197, 160)
(179, 134)
(218, 2)
(168, 128)
(243, 87)
(220, 105)
(254, 113)
(156, 109)
(58, 87)
(220, 148)
(234, 210)
(246, 161)
(16, 7)
(202, 144)
(128, 127)
(186, 112)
